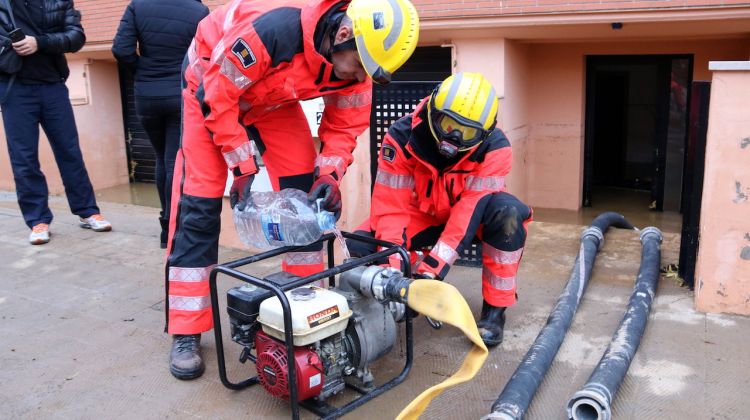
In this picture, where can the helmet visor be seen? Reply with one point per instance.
(465, 134)
(448, 125)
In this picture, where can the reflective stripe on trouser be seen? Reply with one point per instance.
(502, 247)
(189, 300)
(304, 264)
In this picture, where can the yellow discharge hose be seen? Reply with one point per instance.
(443, 302)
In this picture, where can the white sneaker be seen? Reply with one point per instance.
(39, 234)
(96, 222)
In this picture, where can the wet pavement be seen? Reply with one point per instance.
(81, 323)
(633, 204)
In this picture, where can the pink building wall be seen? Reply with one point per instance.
(513, 117)
(557, 100)
(723, 266)
(505, 63)
(432, 9)
(542, 105)
(95, 94)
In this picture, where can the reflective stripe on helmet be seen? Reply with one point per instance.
(398, 24)
(487, 106)
(455, 84)
(367, 61)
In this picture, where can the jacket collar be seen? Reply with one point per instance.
(311, 15)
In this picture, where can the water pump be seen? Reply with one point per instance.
(337, 332)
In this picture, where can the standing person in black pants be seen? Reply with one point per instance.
(152, 40)
(44, 30)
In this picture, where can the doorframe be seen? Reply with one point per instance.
(663, 62)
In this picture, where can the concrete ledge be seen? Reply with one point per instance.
(729, 65)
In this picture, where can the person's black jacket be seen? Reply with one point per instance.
(152, 40)
(56, 25)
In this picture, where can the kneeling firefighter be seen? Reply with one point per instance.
(441, 182)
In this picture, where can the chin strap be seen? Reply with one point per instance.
(349, 44)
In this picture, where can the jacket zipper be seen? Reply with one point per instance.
(451, 199)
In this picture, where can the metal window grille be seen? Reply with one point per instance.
(141, 155)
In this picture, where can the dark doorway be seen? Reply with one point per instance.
(636, 118)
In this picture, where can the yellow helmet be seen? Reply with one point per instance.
(386, 33)
(462, 112)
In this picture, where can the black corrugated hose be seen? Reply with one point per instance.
(520, 389)
(594, 400)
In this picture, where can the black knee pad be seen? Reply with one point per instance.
(503, 221)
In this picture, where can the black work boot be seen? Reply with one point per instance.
(491, 324)
(185, 358)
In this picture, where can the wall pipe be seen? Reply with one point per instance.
(520, 389)
(594, 400)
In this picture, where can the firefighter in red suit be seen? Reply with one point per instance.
(249, 65)
(441, 182)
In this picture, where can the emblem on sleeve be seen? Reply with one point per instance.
(243, 52)
(389, 153)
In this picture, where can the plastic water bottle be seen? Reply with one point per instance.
(283, 218)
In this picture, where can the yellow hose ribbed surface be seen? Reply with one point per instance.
(443, 302)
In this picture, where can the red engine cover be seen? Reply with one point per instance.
(273, 369)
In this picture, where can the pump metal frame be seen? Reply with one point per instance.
(324, 410)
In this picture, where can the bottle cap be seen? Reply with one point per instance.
(326, 220)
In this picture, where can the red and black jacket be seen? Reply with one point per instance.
(250, 57)
(454, 193)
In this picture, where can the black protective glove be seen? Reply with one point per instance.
(428, 276)
(327, 188)
(240, 191)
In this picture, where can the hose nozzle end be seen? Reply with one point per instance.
(397, 289)
(589, 404)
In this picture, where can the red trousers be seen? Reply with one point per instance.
(284, 140)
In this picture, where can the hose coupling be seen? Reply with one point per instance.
(596, 234)
(651, 230)
(504, 411)
(384, 284)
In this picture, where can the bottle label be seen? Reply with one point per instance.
(271, 227)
